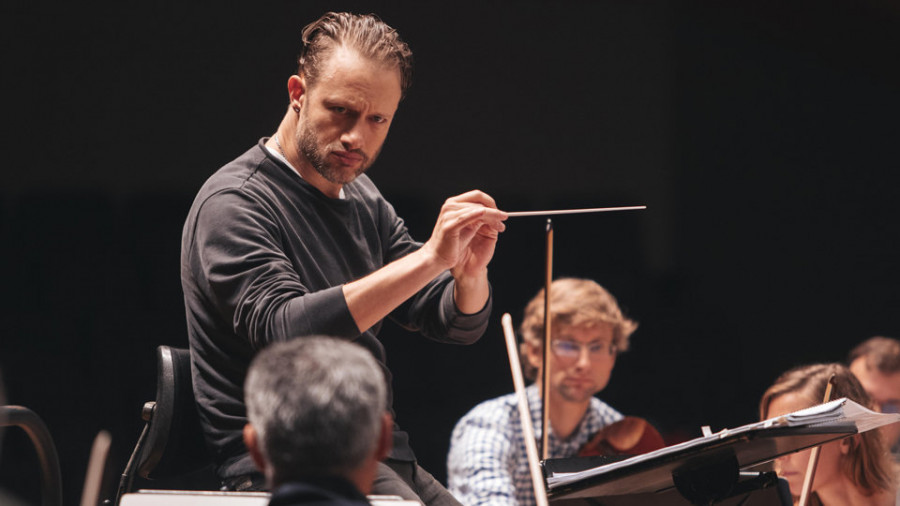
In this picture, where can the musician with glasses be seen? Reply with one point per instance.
(487, 463)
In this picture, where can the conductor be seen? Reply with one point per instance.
(293, 239)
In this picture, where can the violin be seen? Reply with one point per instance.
(629, 436)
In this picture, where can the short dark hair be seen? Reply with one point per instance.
(365, 33)
(880, 353)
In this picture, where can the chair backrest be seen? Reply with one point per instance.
(175, 444)
(33, 425)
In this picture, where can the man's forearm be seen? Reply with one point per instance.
(373, 297)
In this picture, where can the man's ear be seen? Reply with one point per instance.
(385, 437)
(251, 439)
(297, 91)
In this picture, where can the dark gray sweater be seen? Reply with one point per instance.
(264, 255)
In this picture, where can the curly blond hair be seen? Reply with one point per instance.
(574, 302)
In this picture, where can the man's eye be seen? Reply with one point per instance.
(339, 110)
(379, 119)
(566, 347)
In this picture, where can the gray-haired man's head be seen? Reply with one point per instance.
(317, 405)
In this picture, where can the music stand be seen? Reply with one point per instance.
(709, 469)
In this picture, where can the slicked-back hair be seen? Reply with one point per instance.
(574, 302)
(867, 464)
(316, 404)
(367, 34)
(880, 353)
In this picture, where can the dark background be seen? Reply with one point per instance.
(762, 136)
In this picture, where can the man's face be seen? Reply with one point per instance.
(884, 389)
(581, 361)
(346, 114)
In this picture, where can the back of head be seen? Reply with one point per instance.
(366, 34)
(879, 353)
(316, 404)
(867, 463)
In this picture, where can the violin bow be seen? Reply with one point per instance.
(814, 456)
(537, 478)
(545, 376)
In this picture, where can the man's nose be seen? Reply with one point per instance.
(584, 357)
(354, 136)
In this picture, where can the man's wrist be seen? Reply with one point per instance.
(431, 259)
(469, 281)
(471, 293)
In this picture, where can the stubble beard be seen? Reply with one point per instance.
(574, 395)
(308, 144)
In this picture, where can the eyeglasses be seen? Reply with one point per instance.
(571, 350)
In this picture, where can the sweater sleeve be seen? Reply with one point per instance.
(434, 314)
(238, 250)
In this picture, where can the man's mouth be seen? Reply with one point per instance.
(348, 157)
(578, 382)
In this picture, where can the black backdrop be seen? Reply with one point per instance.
(763, 138)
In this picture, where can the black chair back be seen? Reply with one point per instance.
(171, 445)
(175, 444)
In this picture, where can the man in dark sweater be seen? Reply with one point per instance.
(291, 239)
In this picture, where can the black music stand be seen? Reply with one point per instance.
(708, 470)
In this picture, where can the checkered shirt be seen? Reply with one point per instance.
(487, 463)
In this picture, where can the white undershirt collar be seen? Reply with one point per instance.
(281, 157)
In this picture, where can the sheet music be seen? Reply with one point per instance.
(838, 412)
